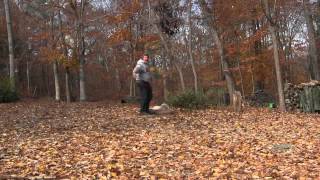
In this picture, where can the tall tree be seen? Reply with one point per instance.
(112, 33)
(65, 52)
(78, 8)
(314, 64)
(195, 76)
(45, 11)
(82, 50)
(55, 62)
(165, 28)
(10, 43)
(272, 30)
(208, 16)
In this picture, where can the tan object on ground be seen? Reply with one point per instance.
(162, 109)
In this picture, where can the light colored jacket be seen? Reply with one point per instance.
(141, 72)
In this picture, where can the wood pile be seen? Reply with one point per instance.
(304, 97)
(292, 97)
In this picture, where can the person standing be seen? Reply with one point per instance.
(143, 78)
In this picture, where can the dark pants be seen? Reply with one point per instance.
(145, 94)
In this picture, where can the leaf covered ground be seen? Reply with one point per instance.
(104, 141)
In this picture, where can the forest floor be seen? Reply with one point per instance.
(103, 141)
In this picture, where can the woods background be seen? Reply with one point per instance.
(86, 49)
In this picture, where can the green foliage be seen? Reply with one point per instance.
(7, 94)
(188, 99)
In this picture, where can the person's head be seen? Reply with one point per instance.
(146, 58)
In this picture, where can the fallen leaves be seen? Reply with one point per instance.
(105, 141)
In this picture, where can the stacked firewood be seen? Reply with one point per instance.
(303, 97)
(292, 97)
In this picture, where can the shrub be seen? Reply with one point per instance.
(188, 99)
(7, 94)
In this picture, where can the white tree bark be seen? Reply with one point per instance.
(65, 49)
(82, 83)
(165, 78)
(179, 69)
(165, 88)
(195, 76)
(28, 77)
(67, 84)
(10, 44)
(55, 63)
(272, 31)
(118, 80)
(56, 80)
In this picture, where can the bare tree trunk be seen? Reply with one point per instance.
(82, 55)
(278, 68)
(28, 77)
(170, 56)
(67, 84)
(43, 78)
(55, 63)
(165, 88)
(276, 58)
(134, 88)
(118, 82)
(225, 65)
(46, 79)
(252, 74)
(252, 79)
(56, 80)
(312, 41)
(179, 69)
(131, 87)
(82, 83)
(166, 47)
(165, 78)
(239, 67)
(195, 76)
(218, 43)
(10, 43)
(132, 58)
(67, 71)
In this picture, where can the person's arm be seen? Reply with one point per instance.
(138, 69)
